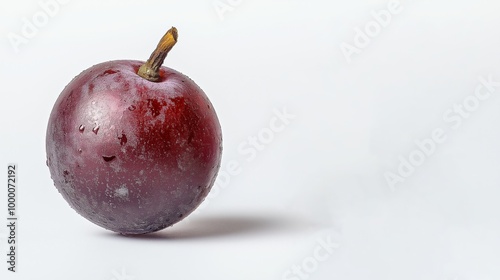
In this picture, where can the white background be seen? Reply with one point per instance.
(321, 178)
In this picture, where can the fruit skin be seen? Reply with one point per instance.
(131, 155)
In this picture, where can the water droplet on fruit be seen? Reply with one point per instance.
(108, 72)
(123, 139)
(67, 179)
(132, 108)
(95, 129)
(108, 158)
(81, 128)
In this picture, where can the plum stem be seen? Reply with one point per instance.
(151, 69)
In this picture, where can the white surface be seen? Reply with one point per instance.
(321, 177)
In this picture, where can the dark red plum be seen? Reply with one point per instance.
(133, 146)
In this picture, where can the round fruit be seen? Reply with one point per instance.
(134, 147)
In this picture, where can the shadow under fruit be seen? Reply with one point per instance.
(133, 146)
